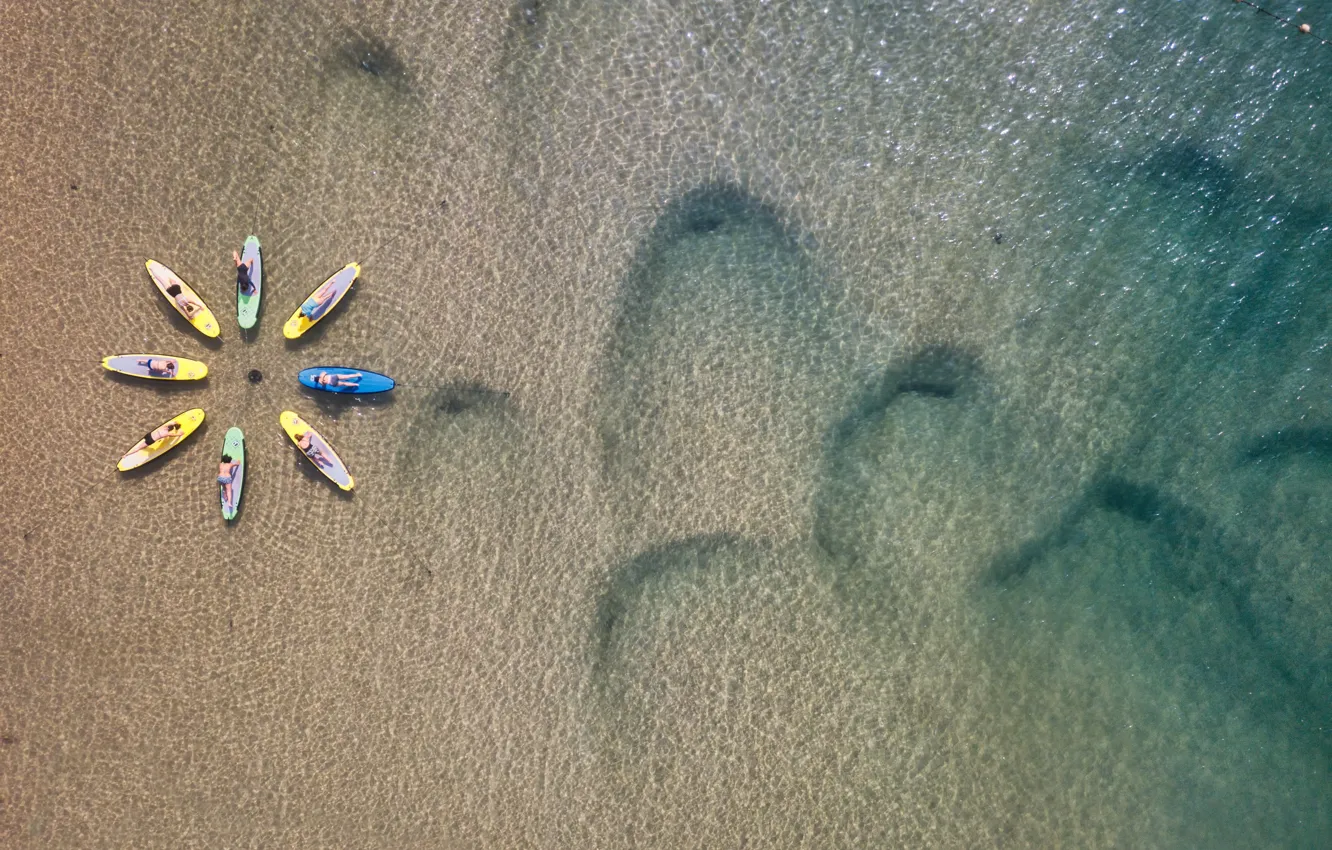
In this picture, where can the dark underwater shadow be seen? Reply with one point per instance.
(720, 321)
(619, 605)
(945, 375)
(1314, 442)
(1185, 564)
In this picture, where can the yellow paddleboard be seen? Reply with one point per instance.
(147, 449)
(159, 367)
(321, 302)
(318, 452)
(189, 305)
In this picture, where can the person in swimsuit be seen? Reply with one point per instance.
(305, 442)
(226, 476)
(158, 368)
(160, 433)
(244, 284)
(189, 306)
(334, 380)
(319, 301)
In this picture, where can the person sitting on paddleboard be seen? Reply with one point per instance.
(187, 305)
(319, 301)
(160, 433)
(333, 380)
(243, 271)
(226, 476)
(305, 442)
(158, 368)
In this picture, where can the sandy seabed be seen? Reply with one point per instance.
(820, 425)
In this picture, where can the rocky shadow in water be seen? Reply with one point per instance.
(1255, 236)
(947, 377)
(1183, 165)
(634, 582)
(374, 59)
(1312, 442)
(721, 362)
(454, 422)
(1180, 581)
(469, 398)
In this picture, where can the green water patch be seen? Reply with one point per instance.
(1134, 615)
(1299, 442)
(1250, 599)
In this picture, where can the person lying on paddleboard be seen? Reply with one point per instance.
(160, 433)
(243, 271)
(226, 476)
(338, 379)
(158, 368)
(319, 301)
(305, 442)
(187, 305)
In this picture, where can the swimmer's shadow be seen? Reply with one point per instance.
(334, 404)
(161, 387)
(311, 472)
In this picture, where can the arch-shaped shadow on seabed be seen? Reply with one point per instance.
(757, 293)
(678, 561)
(1195, 559)
(946, 373)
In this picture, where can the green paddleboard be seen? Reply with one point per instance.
(233, 447)
(247, 306)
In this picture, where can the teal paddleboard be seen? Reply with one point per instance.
(247, 303)
(233, 447)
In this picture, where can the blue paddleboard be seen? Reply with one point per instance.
(342, 379)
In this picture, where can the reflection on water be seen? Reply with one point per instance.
(855, 425)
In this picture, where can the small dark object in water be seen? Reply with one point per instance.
(708, 223)
(998, 238)
(373, 56)
(530, 10)
(463, 397)
(255, 376)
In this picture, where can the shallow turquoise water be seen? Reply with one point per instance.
(847, 425)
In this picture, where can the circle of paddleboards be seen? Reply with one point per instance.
(159, 367)
(325, 297)
(342, 379)
(316, 449)
(247, 302)
(161, 439)
(184, 299)
(231, 472)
